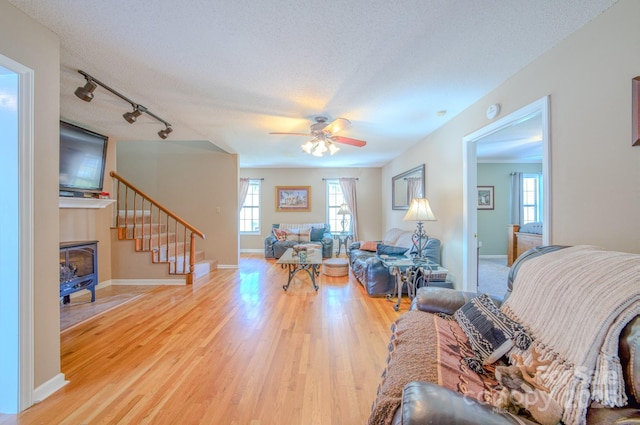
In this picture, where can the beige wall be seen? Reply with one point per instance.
(492, 224)
(192, 181)
(595, 173)
(368, 194)
(83, 224)
(32, 45)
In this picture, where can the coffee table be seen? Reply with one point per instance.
(311, 265)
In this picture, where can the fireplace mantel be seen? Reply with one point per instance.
(68, 202)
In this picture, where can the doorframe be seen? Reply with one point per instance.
(470, 182)
(21, 350)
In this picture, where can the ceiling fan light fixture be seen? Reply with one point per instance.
(333, 148)
(307, 147)
(320, 149)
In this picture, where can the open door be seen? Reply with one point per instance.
(470, 218)
(16, 237)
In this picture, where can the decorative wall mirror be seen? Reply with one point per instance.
(406, 186)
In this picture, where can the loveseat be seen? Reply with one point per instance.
(430, 377)
(369, 270)
(284, 236)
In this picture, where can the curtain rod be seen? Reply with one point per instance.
(253, 178)
(338, 178)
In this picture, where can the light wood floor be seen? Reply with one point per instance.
(231, 349)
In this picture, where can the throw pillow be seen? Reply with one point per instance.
(490, 332)
(369, 246)
(317, 233)
(304, 234)
(292, 235)
(390, 250)
(280, 235)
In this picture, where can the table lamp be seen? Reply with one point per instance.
(419, 211)
(343, 211)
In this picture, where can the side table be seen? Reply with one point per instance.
(409, 277)
(412, 273)
(343, 239)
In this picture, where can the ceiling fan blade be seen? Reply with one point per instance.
(292, 134)
(336, 125)
(348, 141)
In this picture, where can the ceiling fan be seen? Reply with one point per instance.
(324, 137)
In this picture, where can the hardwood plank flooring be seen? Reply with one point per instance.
(234, 348)
(81, 308)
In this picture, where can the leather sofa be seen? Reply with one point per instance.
(319, 234)
(429, 403)
(369, 270)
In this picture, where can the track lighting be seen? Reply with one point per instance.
(164, 133)
(133, 115)
(86, 93)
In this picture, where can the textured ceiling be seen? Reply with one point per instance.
(230, 72)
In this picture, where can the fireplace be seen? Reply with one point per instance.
(78, 268)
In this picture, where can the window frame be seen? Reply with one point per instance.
(332, 208)
(252, 183)
(536, 206)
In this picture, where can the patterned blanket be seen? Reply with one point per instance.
(426, 347)
(574, 303)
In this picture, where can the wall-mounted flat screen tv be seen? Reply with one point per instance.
(82, 159)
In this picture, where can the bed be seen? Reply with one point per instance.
(522, 238)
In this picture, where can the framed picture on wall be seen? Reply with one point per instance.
(485, 197)
(293, 198)
(635, 111)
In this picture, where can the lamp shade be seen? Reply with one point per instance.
(419, 210)
(344, 210)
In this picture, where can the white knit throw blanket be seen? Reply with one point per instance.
(575, 302)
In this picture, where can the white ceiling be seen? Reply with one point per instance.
(518, 141)
(230, 72)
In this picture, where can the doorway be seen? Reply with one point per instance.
(16, 237)
(471, 144)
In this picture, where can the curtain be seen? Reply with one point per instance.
(515, 201)
(244, 189)
(348, 187)
(414, 188)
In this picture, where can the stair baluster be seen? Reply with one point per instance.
(169, 247)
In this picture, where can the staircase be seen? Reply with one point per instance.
(169, 239)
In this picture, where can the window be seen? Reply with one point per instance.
(250, 212)
(531, 198)
(335, 199)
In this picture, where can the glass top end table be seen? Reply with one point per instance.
(410, 271)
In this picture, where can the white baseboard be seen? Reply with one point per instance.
(227, 266)
(49, 387)
(130, 282)
(251, 250)
(494, 256)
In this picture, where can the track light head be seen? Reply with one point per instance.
(131, 116)
(164, 133)
(86, 93)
